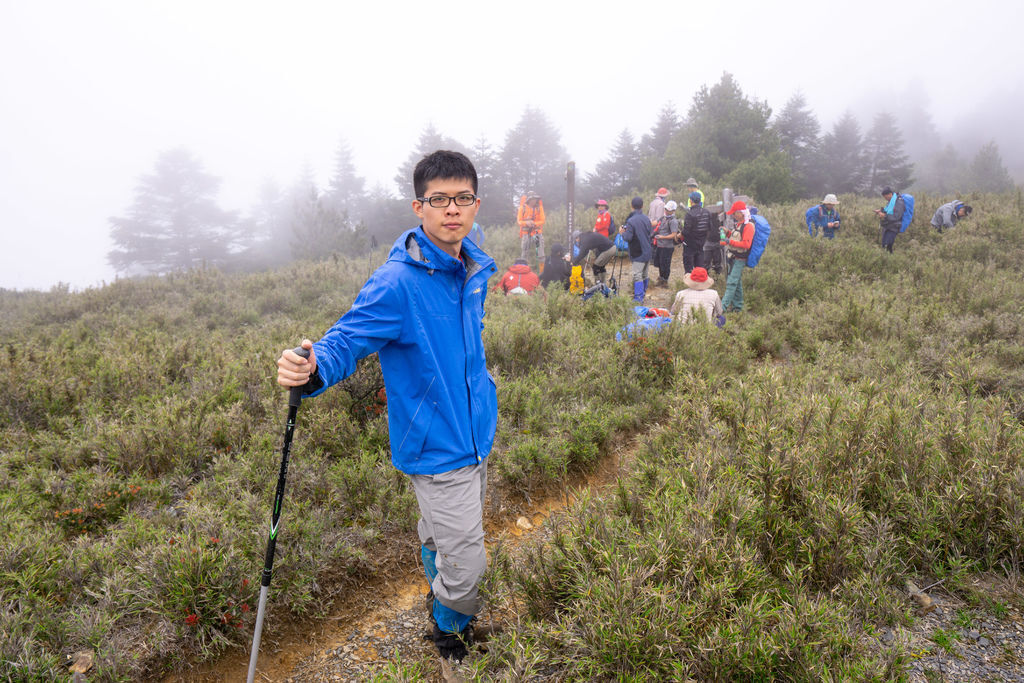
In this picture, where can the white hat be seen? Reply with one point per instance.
(671, 205)
(830, 199)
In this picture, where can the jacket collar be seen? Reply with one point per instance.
(414, 247)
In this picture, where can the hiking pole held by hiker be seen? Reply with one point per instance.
(294, 398)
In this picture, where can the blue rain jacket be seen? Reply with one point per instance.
(422, 313)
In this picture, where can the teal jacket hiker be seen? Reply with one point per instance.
(422, 313)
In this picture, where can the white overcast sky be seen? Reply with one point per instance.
(91, 91)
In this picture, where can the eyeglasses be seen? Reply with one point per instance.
(441, 201)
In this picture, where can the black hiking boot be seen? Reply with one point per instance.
(453, 646)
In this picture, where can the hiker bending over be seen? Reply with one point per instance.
(637, 233)
(824, 217)
(422, 313)
(531, 225)
(698, 297)
(740, 239)
(890, 217)
(600, 246)
(666, 235)
(949, 214)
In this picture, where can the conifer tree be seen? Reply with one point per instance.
(843, 157)
(345, 188)
(618, 172)
(533, 158)
(654, 143)
(987, 172)
(887, 163)
(798, 132)
(174, 222)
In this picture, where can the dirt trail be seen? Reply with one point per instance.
(385, 619)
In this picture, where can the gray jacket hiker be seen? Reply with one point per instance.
(948, 215)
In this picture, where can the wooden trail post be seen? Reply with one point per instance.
(570, 200)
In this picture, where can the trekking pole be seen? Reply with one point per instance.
(294, 398)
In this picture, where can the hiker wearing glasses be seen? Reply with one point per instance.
(422, 313)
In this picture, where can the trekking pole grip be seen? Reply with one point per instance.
(295, 394)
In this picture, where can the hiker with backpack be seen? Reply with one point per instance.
(824, 217)
(740, 240)
(666, 235)
(531, 225)
(518, 279)
(698, 296)
(556, 269)
(714, 244)
(604, 224)
(657, 209)
(422, 313)
(600, 246)
(890, 217)
(949, 214)
(636, 232)
(699, 227)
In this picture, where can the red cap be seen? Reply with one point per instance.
(602, 202)
(662, 192)
(737, 206)
(699, 275)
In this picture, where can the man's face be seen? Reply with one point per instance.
(601, 208)
(448, 226)
(888, 196)
(829, 207)
(960, 213)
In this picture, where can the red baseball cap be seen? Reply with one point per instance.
(662, 192)
(737, 206)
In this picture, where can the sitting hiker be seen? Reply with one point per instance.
(600, 246)
(824, 217)
(697, 295)
(519, 279)
(948, 214)
(556, 268)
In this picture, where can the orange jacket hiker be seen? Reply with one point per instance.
(531, 218)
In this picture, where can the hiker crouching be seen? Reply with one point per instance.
(422, 313)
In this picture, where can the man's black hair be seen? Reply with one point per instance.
(637, 203)
(443, 164)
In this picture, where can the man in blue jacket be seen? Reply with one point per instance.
(422, 313)
(637, 232)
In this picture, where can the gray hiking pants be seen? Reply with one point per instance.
(451, 522)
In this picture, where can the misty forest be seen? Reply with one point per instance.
(827, 486)
(725, 139)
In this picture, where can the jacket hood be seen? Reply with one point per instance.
(519, 268)
(414, 247)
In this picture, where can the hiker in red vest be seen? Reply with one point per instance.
(519, 279)
(604, 224)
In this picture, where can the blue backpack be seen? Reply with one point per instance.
(762, 231)
(908, 211)
(620, 243)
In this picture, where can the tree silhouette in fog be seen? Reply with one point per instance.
(174, 223)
